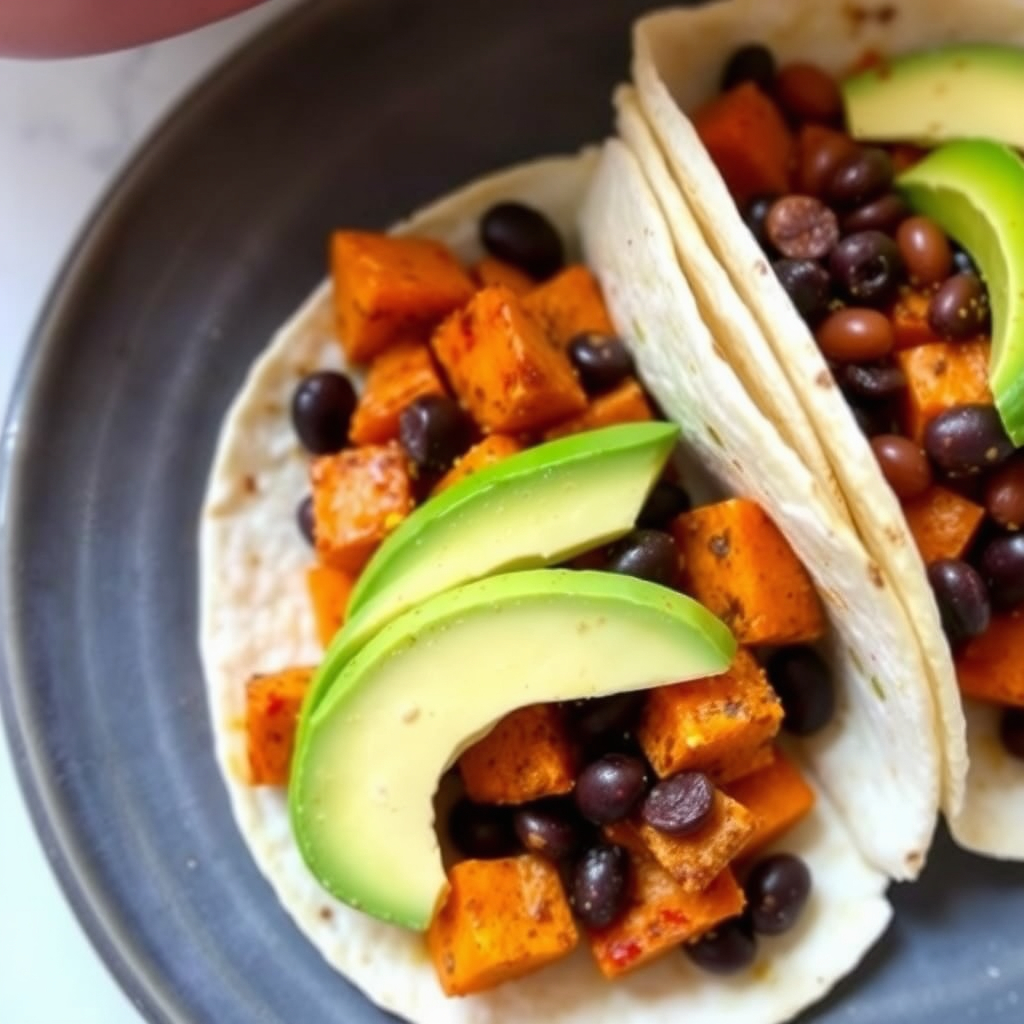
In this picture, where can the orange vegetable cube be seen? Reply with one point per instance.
(940, 376)
(492, 449)
(909, 318)
(504, 369)
(718, 725)
(501, 919)
(329, 591)
(359, 496)
(272, 705)
(569, 304)
(777, 796)
(626, 403)
(397, 376)
(387, 289)
(494, 271)
(527, 755)
(943, 523)
(990, 667)
(740, 566)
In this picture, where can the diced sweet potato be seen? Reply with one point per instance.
(397, 376)
(527, 755)
(569, 304)
(909, 318)
(359, 496)
(490, 450)
(329, 591)
(501, 919)
(740, 566)
(626, 403)
(494, 271)
(387, 289)
(503, 367)
(940, 376)
(777, 796)
(990, 667)
(272, 705)
(943, 523)
(747, 138)
(717, 725)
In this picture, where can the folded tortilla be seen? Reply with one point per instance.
(255, 616)
(678, 61)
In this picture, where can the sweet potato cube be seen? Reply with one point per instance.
(359, 496)
(569, 304)
(397, 376)
(272, 705)
(527, 755)
(715, 725)
(501, 919)
(625, 404)
(492, 449)
(909, 318)
(494, 271)
(329, 591)
(943, 523)
(777, 796)
(503, 368)
(740, 566)
(387, 289)
(990, 667)
(940, 376)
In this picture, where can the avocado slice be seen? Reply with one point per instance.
(952, 92)
(973, 190)
(438, 678)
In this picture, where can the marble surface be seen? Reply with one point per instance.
(65, 129)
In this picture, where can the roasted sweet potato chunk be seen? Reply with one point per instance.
(492, 449)
(272, 704)
(569, 304)
(503, 368)
(359, 496)
(501, 919)
(740, 566)
(909, 318)
(990, 667)
(494, 271)
(387, 289)
(329, 591)
(718, 725)
(527, 755)
(625, 404)
(943, 523)
(777, 796)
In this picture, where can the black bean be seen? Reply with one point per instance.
(962, 261)
(605, 723)
(600, 885)
(959, 309)
(551, 828)
(885, 213)
(482, 830)
(750, 63)
(602, 361)
(967, 439)
(322, 407)
(802, 680)
(1002, 568)
(754, 215)
(867, 267)
(666, 501)
(874, 419)
(608, 789)
(903, 464)
(727, 949)
(647, 554)
(304, 518)
(777, 889)
(680, 804)
(524, 237)
(863, 176)
(872, 383)
(808, 286)
(1011, 732)
(1004, 494)
(434, 431)
(802, 227)
(962, 598)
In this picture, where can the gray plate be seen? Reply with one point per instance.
(346, 114)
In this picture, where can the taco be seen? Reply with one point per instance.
(868, 167)
(615, 795)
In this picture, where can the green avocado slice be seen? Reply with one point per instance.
(975, 191)
(438, 678)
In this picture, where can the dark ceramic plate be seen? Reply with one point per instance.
(345, 114)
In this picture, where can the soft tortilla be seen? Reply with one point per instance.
(255, 616)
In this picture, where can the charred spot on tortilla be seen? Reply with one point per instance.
(824, 379)
(876, 685)
(875, 575)
(249, 484)
(716, 438)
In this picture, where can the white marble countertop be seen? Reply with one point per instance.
(65, 129)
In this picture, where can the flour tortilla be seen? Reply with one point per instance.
(255, 616)
(678, 59)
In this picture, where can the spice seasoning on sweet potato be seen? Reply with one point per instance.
(527, 755)
(625, 404)
(490, 450)
(503, 368)
(272, 704)
(501, 919)
(569, 304)
(359, 496)
(329, 591)
(943, 523)
(909, 318)
(716, 725)
(990, 667)
(387, 289)
(740, 566)
(494, 271)
(397, 376)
